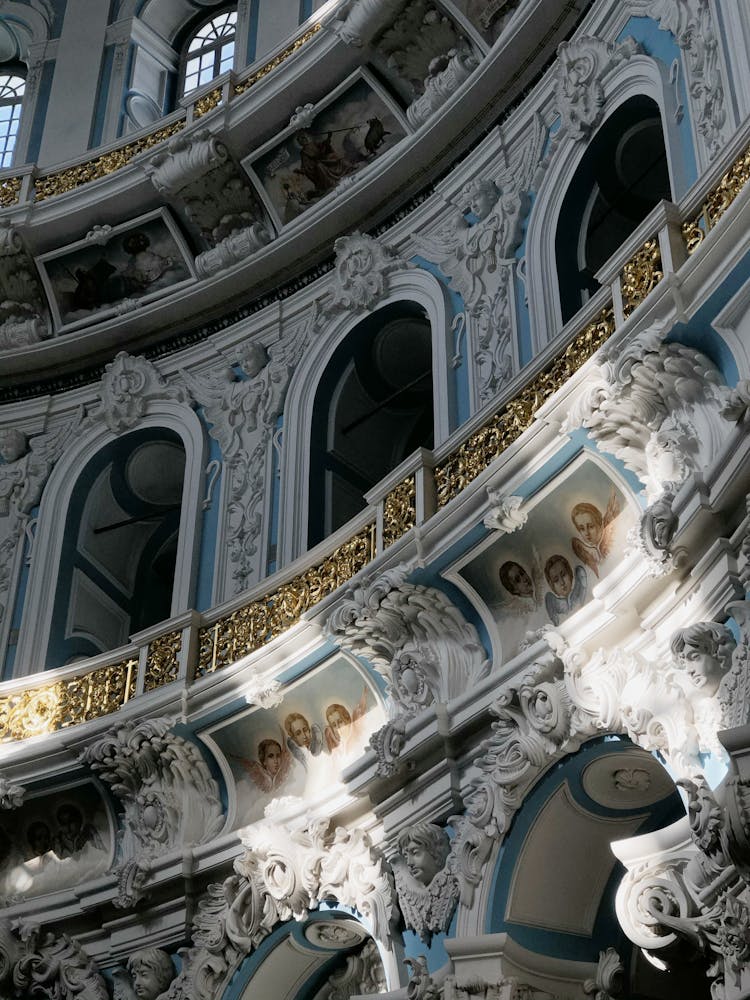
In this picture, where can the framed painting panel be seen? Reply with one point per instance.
(298, 748)
(115, 270)
(348, 130)
(544, 572)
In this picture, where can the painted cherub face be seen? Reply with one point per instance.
(588, 527)
(560, 578)
(272, 758)
(301, 732)
(517, 580)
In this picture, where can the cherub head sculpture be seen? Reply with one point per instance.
(424, 848)
(13, 444)
(480, 195)
(151, 971)
(704, 652)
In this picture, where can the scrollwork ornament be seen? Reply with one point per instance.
(362, 268)
(11, 796)
(128, 386)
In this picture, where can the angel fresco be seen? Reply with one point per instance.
(272, 766)
(596, 531)
(567, 588)
(525, 588)
(342, 733)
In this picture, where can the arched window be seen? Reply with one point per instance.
(118, 558)
(11, 97)
(622, 176)
(373, 407)
(210, 50)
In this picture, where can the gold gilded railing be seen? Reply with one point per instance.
(718, 200)
(399, 511)
(252, 626)
(485, 445)
(49, 707)
(277, 60)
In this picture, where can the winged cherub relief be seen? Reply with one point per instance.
(426, 885)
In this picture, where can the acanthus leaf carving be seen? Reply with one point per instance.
(38, 963)
(243, 412)
(168, 796)
(362, 975)
(413, 635)
(656, 406)
(582, 66)
(128, 386)
(362, 268)
(366, 18)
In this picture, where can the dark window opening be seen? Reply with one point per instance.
(373, 407)
(620, 179)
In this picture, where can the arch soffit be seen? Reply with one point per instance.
(639, 76)
(26, 24)
(37, 615)
(408, 285)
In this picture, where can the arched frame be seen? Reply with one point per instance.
(638, 76)
(413, 286)
(29, 30)
(37, 613)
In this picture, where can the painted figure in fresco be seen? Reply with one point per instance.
(567, 589)
(424, 848)
(302, 739)
(272, 767)
(595, 532)
(39, 838)
(72, 833)
(151, 972)
(343, 729)
(319, 162)
(145, 266)
(525, 589)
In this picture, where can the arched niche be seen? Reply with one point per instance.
(638, 77)
(309, 959)
(551, 886)
(414, 293)
(179, 423)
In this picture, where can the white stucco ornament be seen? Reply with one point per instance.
(425, 880)
(362, 267)
(505, 514)
(128, 386)
(185, 159)
(582, 66)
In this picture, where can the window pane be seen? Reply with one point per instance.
(211, 50)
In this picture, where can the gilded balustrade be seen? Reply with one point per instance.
(163, 660)
(207, 103)
(641, 275)
(277, 60)
(10, 190)
(399, 511)
(255, 624)
(717, 201)
(49, 707)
